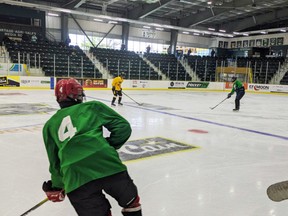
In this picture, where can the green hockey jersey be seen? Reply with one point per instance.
(77, 151)
(237, 85)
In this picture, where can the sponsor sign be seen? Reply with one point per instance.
(197, 85)
(94, 83)
(90, 83)
(229, 85)
(259, 88)
(177, 85)
(145, 148)
(140, 83)
(35, 82)
(9, 81)
(13, 69)
(279, 88)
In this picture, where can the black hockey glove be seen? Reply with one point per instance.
(53, 194)
(229, 95)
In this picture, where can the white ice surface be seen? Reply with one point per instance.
(240, 156)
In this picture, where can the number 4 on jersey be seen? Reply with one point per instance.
(66, 129)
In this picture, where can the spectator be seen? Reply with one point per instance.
(169, 50)
(34, 38)
(67, 41)
(188, 53)
(213, 53)
(123, 47)
(148, 49)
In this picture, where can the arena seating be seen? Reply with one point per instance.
(204, 67)
(168, 65)
(127, 62)
(284, 80)
(263, 68)
(69, 60)
(72, 61)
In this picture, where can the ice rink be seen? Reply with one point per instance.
(194, 161)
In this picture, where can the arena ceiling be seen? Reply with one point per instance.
(226, 15)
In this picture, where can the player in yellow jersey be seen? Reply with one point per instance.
(117, 89)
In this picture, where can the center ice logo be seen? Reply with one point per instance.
(150, 147)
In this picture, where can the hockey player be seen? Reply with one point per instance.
(117, 89)
(83, 163)
(240, 92)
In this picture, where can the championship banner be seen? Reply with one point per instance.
(9, 81)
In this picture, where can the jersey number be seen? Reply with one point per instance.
(66, 129)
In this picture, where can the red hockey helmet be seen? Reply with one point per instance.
(69, 90)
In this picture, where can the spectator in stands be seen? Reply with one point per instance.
(148, 48)
(188, 53)
(123, 47)
(25, 37)
(213, 53)
(169, 50)
(34, 38)
(67, 41)
(237, 87)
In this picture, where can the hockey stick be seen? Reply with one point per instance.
(218, 104)
(35, 207)
(140, 104)
(278, 192)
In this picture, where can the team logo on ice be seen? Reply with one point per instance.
(150, 147)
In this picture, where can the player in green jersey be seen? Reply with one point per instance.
(83, 163)
(240, 92)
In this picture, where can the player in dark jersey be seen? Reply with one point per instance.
(240, 92)
(83, 163)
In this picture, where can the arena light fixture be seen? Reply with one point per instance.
(53, 14)
(48, 8)
(98, 20)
